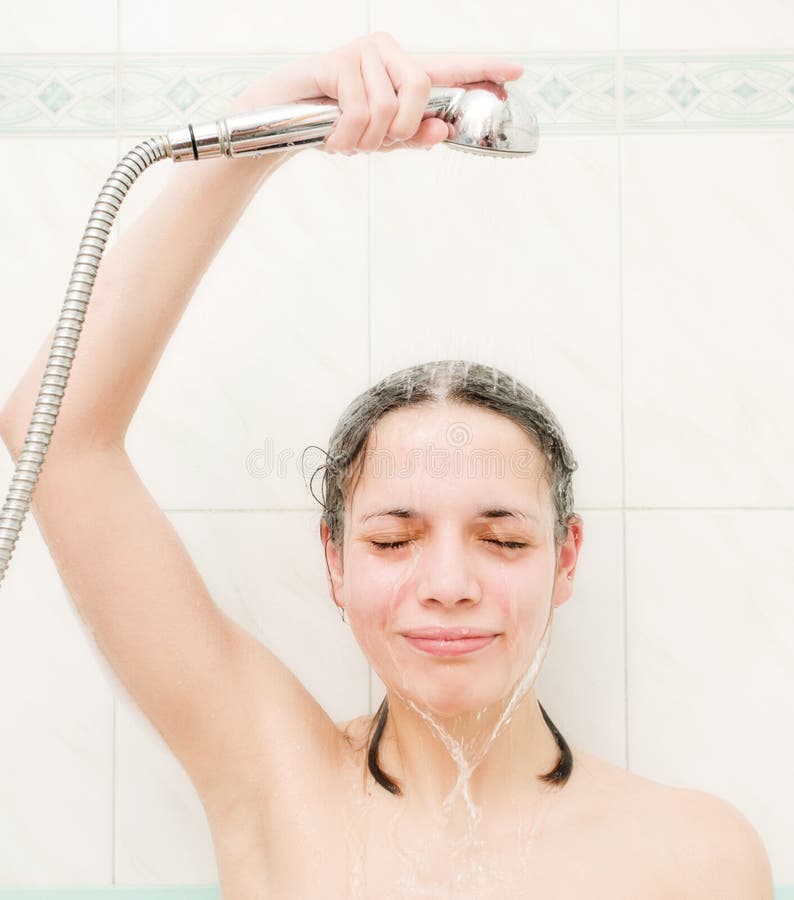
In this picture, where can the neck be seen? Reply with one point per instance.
(490, 758)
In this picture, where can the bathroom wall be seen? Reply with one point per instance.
(636, 272)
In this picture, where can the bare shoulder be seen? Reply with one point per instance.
(698, 844)
(722, 853)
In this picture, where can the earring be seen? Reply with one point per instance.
(570, 576)
(342, 613)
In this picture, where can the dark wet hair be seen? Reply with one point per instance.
(465, 382)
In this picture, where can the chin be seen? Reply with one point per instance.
(446, 701)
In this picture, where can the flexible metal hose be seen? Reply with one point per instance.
(67, 334)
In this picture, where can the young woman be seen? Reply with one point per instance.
(450, 538)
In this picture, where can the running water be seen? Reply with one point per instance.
(457, 843)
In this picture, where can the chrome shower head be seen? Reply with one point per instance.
(491, 120)
(486, 118)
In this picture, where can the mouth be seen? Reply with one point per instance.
(449, 646)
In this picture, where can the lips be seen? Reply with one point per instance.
(450, 642)
(449, 634)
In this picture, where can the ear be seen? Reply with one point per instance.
(333, 564)
(566, 564)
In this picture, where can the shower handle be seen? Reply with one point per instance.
(283, 127)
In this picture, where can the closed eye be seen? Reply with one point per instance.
(393, 545)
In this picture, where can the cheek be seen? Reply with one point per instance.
(370, 601)
(376, 590)
(521, 601)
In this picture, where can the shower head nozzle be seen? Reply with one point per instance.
(486, 118)
(490, 119)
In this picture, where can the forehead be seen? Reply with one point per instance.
(448, 451)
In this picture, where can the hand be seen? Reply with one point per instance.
(381, 90)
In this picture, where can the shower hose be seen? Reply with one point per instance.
(67, 333)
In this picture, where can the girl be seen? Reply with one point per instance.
(449, 536)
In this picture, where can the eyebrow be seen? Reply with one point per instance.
(492, 513)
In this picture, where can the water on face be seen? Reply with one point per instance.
(451, 855)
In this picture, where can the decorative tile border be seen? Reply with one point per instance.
(159, 93)
(572, 93)
(131, 94)
(47, 93)
(708, 92)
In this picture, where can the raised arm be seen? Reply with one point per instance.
(233, 714)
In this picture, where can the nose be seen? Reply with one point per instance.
(446, 572)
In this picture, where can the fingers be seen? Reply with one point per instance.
(411, 83)
(386, 97)
(352, 97)
(448, 69)
(383, 102)
(382, 91)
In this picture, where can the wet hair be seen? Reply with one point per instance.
(439, 381)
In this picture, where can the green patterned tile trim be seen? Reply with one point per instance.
(131, 94)
(187, 892)
(49, 93)
(708, 92)
(161, 92)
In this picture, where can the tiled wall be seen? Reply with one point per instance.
(637, 272)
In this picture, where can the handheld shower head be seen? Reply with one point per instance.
(486, 118)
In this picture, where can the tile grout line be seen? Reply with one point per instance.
(114, 743)
(620, 126)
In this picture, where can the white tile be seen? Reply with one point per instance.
(48, 188)
(251, 26)
(271, 348)
(708, 319)
(47, 26)
(162, 831)
(504, 26)
(581, 683)
(706, 25)
(56, 752)
(512, 263)
(710, 627)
